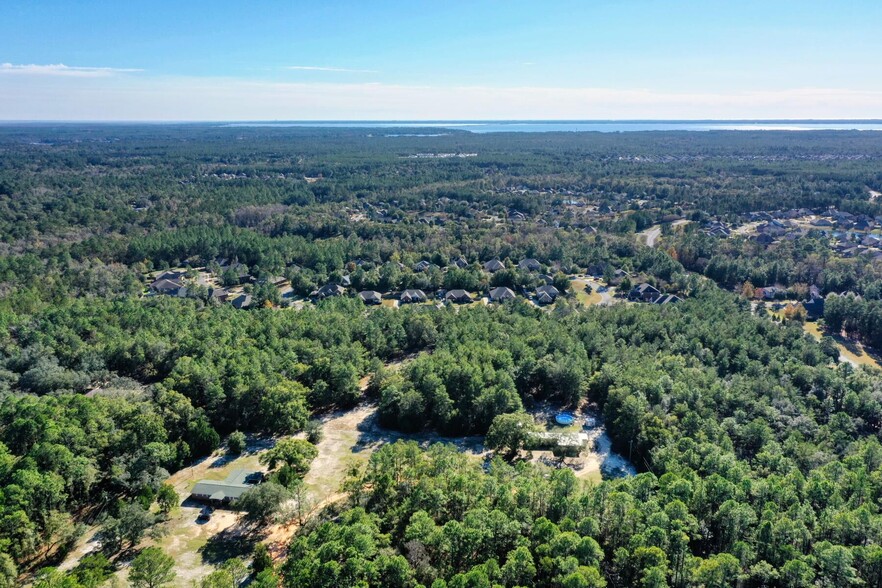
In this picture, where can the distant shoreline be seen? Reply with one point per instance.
(411, 128)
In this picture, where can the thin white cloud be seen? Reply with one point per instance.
(330, 69)
(217, 99)
(59, 69)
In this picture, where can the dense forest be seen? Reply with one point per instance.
(758, 453)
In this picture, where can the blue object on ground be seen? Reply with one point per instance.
(564, 418)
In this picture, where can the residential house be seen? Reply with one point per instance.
(241, 301)
(544, 298)
(717, 229)
(667, 299)
(770, 292)
(169, 287)
(561, 444)
(644, 293)
(773, 229)
(493, 266)
(219, 294)
(236, 270)
(421, 266)
(814, 305)
(458, 296)
(412, 296)
(371, 297)
(274, 280)
(529, 265)
(460, 262)
(327, 291)
(597, 270)
(223, 492)
(501, 294)
(173, 275)
(548, 291)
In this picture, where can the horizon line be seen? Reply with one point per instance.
(452, 121)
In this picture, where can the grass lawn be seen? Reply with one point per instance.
(853, 351)
(583, 296)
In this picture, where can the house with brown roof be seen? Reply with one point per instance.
(458, 296)
(327, 291)
(412, 296)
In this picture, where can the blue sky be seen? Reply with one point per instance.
(262, 60)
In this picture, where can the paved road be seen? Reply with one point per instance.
(605, 296)
(651, 234)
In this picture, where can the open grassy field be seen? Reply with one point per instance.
(584, 297)
(851, 351)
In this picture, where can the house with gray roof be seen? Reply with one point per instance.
(644, 293)
(460, 262)
(667, 299)
(493, 266)
(549, 291)
(371, 297)
(529, 265)
(169, 287)
(223, 492)
(219, 294)
(242, 301)
(501, 294)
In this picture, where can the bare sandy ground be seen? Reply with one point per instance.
(349, 438)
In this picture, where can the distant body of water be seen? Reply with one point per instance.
(577, 126)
